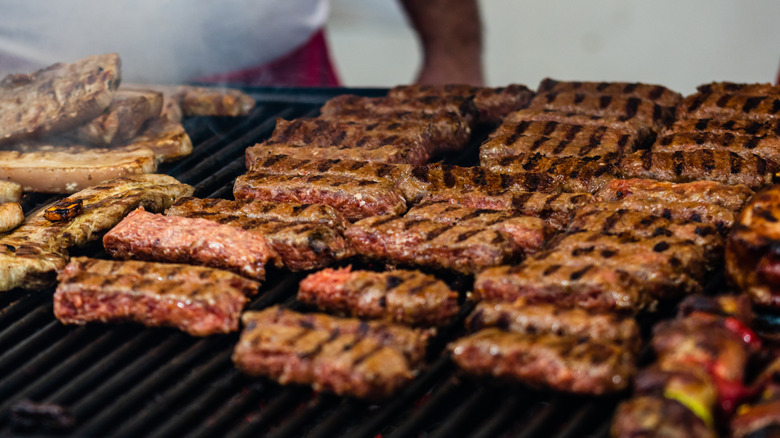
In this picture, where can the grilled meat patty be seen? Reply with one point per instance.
(745, 146)
(528, 233)
(11, 216)
(354, 198)
(572, 174)
(752, 263)
(554, 139)
(10, 191)
(563, 363)
(641, 131)
(58, 97)
(123, 119)
(31, 255)
(656, 93)
(732, 197)
(688, 166)
(154, 237)
(649, 416)
(341, 355)
(288, 165)
(521, 317)
(462, 248)
(754, 128)
(381, 153)
(726, 105)
(738, 88)
(406, 297)
(199, 301)
(709, 214)
(387, 106)
(493, 104)
(624, 107)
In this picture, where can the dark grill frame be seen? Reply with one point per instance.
(127, 380)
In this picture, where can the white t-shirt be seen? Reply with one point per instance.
(159, 41)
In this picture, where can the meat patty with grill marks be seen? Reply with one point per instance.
(406, 297)
(656, 93)
(643, 133)
(528, 233)
(726, 105)
(734, 126)
(197, 300)
(288, 165)
(738, 88)
(572, 174)
(354, 198)
(732, 197)
(720, 217)
(687, 166)
(381, 153)
(387, 106)
(745, 146)
(563, 363)
(461, 248)
(623, 107)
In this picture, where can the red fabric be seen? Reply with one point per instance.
(306, 66)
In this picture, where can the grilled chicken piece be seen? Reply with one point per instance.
(199, 301)
(462, 248)
(658, 417)
(123, 119)
(342, 355)
(572, 174)
(289, 165)
(387, 106)
(354, 198)
(752, 262)
(58, 97)
(732, 197)
(563, 363)
(493, 104)
(709, 214)
(528, 233)
(406, 297)
(68, 169)
(154, 237)
(641, 131)
(31, 255)
(687, 166)
(521, 317)
(656, 93)
(11, 216)
(726, 105)
(745, 146)
(10, 192)
(270, 211)
(203, 101)
(623, 107)
(734, 126)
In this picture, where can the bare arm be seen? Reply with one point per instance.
(450, 33)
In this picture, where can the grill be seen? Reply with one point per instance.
(127, 380)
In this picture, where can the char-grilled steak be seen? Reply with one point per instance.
(572, 174)
(693, 211)
(380, 153)
(732, 197)
(462, 248)
(656, 93)
(639, 130)
(734, 126)
(687, 166)
(406, 297)
(271, 211)
(521, 317)
(199, 301)
(342, 355)
(738, 88)
(289, 165)
(623, 107)
(767, 147)
(554, 139)
(387, 106)
(154, 237)
(354, 198)
(725, 105)
(10, 191)
(563, 363)
(493, 104)
(528, 233)
(31, 255)
(123, 119)
(58, 97)
(650, 416)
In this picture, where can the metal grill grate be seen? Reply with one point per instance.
(126, 380)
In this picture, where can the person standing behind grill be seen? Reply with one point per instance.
(249, 42)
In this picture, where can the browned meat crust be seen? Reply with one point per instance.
(341, 355)
(521, 317)
(354, 198)
(199, 301)
(738, 88)
(190, 101)
(58, 97)
(10, 191)
(31, 255)
(528, 233)
(155, 237)
(651, 417)
(759, 419)
(122, 120)
(720, 217)
(732, 197)
(563, 363)
(11, 216)
(392, 153)
(572, 174)
(493, 104)
(656, 93)
(166, 138)
(725, 105)
(406, 297)
(687, 166)
(751, 259)
(623, 107)
(288, 165)
(735, 126)
(642, 132)
(462, 248)
(271, 211)
(767, 147)
(387, 106)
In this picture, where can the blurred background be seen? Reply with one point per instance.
(676, 43)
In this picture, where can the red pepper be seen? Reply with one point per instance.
(744, 332)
